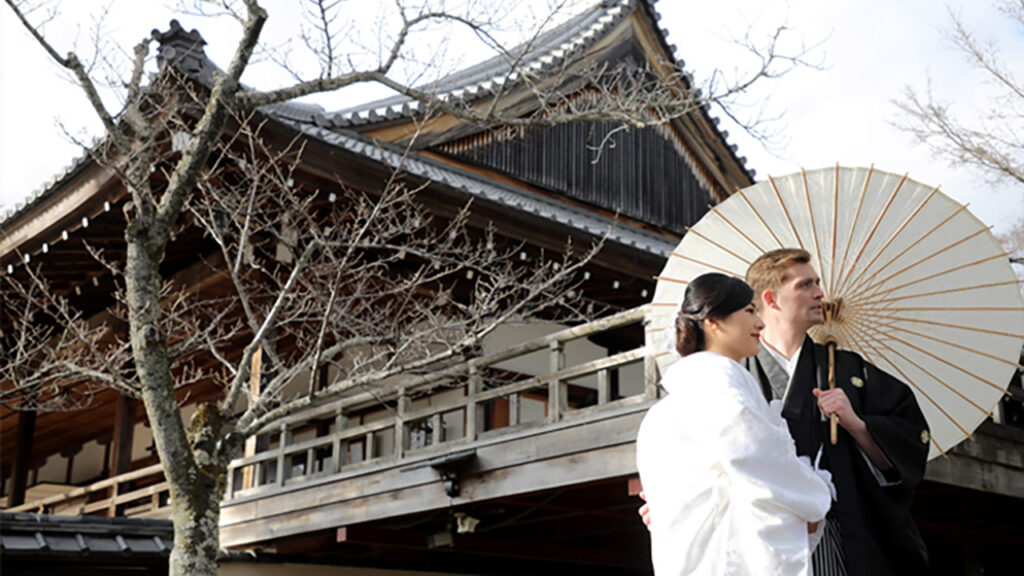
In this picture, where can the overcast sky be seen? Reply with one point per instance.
(870, 50)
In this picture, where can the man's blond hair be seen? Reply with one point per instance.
(771, 270)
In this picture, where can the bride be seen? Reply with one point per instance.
(719, 470)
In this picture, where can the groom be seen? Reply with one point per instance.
(883, 438)
(882, 446)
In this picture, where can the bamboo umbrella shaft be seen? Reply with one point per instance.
(833, 425)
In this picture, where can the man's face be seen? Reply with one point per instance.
(798, 301)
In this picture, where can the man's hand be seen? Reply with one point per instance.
(812, 527)
(645, 512)
(836, 402)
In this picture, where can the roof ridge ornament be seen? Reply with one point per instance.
(180, 48)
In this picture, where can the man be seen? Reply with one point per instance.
(882, 445)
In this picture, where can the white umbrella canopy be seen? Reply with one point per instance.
(925, 291)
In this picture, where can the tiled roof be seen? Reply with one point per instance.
(493, 191)
(547, 51)
(43, 191)
(43, 534)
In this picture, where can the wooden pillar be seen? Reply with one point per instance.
(19, 472)
(121, 451)
(557, 389)
(70, 453)
(474, 386)
(124, 435)
(251, 443)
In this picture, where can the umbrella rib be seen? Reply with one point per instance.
(915, 243)
(955, 345)
(874, 227)
(835, 233)
(937, 323)
(907, 380)
(810, 213)
(940, 381)
(950, 364)
(855, 282)
(719, 246)
(670, 279)
(857, 297)
(759, 217)
(695, 261)
(856, 218)
(945, 291)
(740, 232)
(785, 211)
(963, 308)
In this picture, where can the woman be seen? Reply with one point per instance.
(727, 493)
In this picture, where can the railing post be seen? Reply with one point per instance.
(229, 489)
(604, 387)
(281, 444)
(513, 409)
(556, 388)
(435, 429)
(650, 376)
(402, 406)
(371, 446)
(340, 422)
(473, 387)
(114, 491)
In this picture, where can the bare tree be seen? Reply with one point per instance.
(994, 140)
(361, 286)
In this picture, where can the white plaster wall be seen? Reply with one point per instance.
(88, 462)
(142, 437)
(54, 470)
(537, 363)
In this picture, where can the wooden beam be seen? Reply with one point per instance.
(506, 465)
(23, 451)
(990, 461)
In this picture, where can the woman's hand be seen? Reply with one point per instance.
(645, 512)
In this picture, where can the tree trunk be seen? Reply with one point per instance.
(196, 517)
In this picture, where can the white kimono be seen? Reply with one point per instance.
(728, 495)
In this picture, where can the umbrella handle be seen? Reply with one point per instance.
(833, 419)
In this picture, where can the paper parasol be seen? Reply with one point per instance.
(926, 292)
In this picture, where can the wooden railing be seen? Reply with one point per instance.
(340, 444)
(110, 497)
(451, 425)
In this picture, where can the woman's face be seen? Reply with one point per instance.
(736, 336)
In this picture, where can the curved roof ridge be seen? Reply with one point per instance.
(10, 212)
(548, 50)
